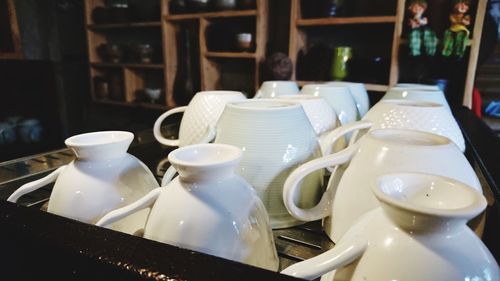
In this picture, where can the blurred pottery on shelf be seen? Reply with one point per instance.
(224, 4)
(244, 41)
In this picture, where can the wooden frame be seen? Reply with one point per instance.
(298, 37)
(14, 32)
(210, 73)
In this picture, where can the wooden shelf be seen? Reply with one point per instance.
(222, 14)
(369, 87)
(123, 25)
(346, 20)
(114, 102)
(242, 55)
(132, 104)
(129, 65)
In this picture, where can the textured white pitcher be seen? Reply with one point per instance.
(407, 114)
(436, 96)
(199, 119)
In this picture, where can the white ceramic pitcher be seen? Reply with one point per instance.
(199, 119)
(275, 88)
(208, 208)
(377, 152)
(436, 96)
(418, 233)
(276, 137)
(359, 94)
(103, 177)
(406, 114)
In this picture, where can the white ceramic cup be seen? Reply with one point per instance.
(377, 152)
(199, 119)
(339, 97)
(272, 89)
(322, 117)
(359, 94)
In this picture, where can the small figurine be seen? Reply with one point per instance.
(278, 66)
(456, 38)
(419, 32)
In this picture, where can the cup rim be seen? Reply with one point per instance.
(220, 92)
(286, 105)
(99, 138)
(476, 204)
(233, 155)
(435, 139)
(408, 103)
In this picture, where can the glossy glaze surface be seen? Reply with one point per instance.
(272, 89)
(377, 152)
(339, 97)
(208, 208)
(102, 178)
(418, 233)
(359, 93)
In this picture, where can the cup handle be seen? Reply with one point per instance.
(146, 201)
(340, 132)
(322, 209)
(258, 95)
(168, 176)
(210, 134)
(34, 185)
(157, 126)
(348, 250)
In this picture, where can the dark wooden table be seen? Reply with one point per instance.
(36, 245)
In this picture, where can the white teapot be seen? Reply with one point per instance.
(418, 233)
(207, 208)
(103, 177)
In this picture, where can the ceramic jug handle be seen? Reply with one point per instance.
(348, 250)
(34, 185)
(138, 205)
(157, 126)
(340, 132)
(168, 176)
(258, 95)
(322, 209)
